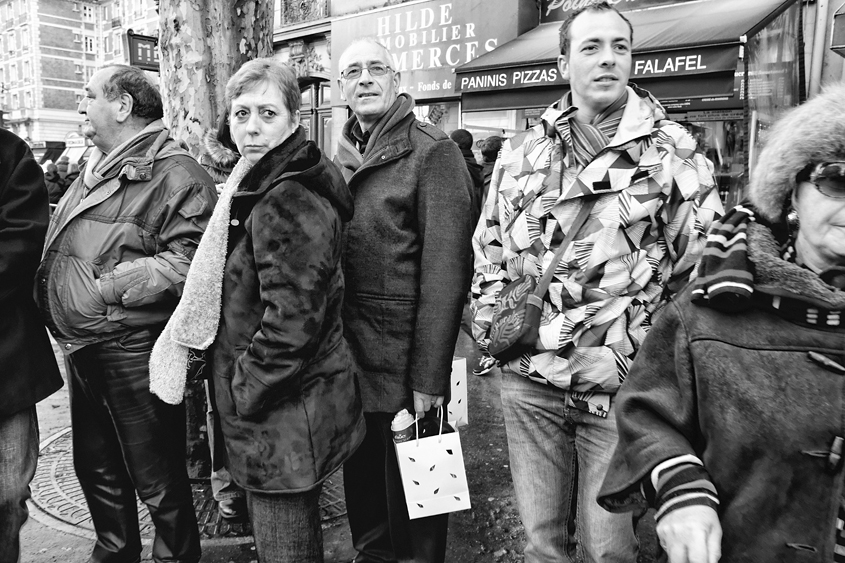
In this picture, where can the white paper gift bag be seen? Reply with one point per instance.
(433, 475)
(457, 407)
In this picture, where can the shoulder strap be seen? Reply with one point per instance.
(579, 221)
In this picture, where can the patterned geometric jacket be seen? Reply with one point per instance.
(655, 202)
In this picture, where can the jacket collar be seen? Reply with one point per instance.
(641, 113)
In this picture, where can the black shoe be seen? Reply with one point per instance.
(232, 508)
(485, 365)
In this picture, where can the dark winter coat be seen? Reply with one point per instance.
(116, 258)
(406, 259)
(739, 391)
(477, 193)
(55, 186)
(29, 372)
(284, 378)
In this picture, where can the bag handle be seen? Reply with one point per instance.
(417, 426)
(580, 219)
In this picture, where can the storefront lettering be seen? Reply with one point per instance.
(567, 5)
(406, 33)
(541, 76)
(485, 81)
(673, 65)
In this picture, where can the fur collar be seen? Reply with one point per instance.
(775, 276)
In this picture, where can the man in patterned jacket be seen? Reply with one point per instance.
(606, 141)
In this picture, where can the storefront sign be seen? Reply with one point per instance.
(558, 10)
(428, 40)
(143, 51)
(681, 62)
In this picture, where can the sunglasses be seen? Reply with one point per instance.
(354, 72)
(829, 179)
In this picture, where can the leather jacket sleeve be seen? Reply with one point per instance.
(162, 276)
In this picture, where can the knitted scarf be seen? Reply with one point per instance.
(725, 276)
(195, 321)
(348, 155)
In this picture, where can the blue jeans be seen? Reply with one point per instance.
(286, 528)
(126, 440)
(18, 456)
(559, 456)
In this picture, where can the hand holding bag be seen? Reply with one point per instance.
(516, 318)
(433, 474)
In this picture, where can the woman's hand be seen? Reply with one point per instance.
(691, 535)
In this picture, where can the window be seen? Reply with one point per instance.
(27, 71)
(78, 69)
(89, 44)
(10, 42)
(87, 13)
(76, 6)
(13, 73)
(77, 38)
(107, 44)
(16, 101)
(25, 37)
(79, 98)
(29, 100)
(10, 11)
(89, 72)
(118, 43)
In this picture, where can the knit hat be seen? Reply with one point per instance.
(62, 164)
(811, 133)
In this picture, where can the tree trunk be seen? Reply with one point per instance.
(203, 42)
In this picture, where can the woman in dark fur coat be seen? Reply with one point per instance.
(731, 419)
(264, 296)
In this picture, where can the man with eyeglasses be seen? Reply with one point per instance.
(406, 262)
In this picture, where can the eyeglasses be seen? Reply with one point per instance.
(829, 179)
(354, 72)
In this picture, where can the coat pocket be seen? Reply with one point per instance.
(380, 331)
(83, 303)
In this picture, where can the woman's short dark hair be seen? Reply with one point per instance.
(131, 80)
(260, 71)
(595, 6)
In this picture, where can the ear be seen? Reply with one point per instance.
(295, 116)
(563, 66)
(124, 108)
(397, 79)
(340, 89)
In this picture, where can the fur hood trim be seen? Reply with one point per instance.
(776, 276)
(811, 133)
(217, 159)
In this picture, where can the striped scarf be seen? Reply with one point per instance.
(589, 139)
(725, 278)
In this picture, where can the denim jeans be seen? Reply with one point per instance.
(223, 487)
(18, 456)
(127, 440)
(559, 456)
(286, 528)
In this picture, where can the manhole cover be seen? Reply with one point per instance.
(56, 491)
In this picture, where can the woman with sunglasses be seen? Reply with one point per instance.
(732, 419)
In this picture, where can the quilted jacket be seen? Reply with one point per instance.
(116, 257)
(655, 202)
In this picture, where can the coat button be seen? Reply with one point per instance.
(383, 157)
(67, 346)
(235, 222)
(43, 281)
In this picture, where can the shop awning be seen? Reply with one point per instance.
(688, 39)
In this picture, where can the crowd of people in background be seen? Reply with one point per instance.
(687, 358)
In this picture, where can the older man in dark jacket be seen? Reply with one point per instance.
(407, 271)
(118, 250)
(29, 372)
